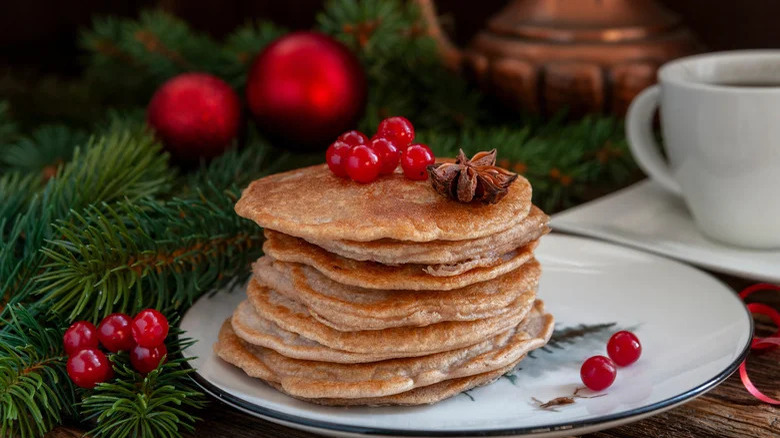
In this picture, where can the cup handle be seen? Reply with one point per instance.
(643, 147)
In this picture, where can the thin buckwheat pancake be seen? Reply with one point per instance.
(313, 203)
(351, 308)
(373, 275)
(400, 341)
(419, 396)
(441, 252)
(311, 379)
(257, 330)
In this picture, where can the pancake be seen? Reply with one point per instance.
(311, 379)
(373, 275)
(438, 252)
(418, 396)
(399, 341)
(257, 330)
(313, 203)
(351, 308)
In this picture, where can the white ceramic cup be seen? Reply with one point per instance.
(722, 142)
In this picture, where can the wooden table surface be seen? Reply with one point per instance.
(726, 411)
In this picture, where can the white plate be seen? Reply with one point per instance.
(694, 330)
(646, 216)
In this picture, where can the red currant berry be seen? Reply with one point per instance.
(598, 372)
(80, 335)
(399, 130)
(149, 328)
(389, 155)
(336, 157)
(363, 164)
(624, 348)
(414, 161)
(115, 334)
(353, 138)
(146, 359)
(89, 367)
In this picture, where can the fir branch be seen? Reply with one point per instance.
(117, 166)
(44, 150)
(16, 190)
(155, 405)
(145, 254)
(35, 391)
(120, 165)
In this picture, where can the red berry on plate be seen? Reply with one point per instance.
(415, 159)
(388, 152)
(80, 335)
(115, 333)
(363, 164)
(149, 328)
(89, 367)
(624, 348)
(146, 359)
(399, 130)
(598, 372)
(353, 138)
(336, 157)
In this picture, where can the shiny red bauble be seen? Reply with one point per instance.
(150, 328)
(598, 372)
(353, 138)
(389, 154)
(415, 160)
(115, 332)
(363, 164)
(624, 348)
(89, 367)
(196, 115)
(398, 129)
(336, 157)
(80, 335)
(305, 89)
(145, 359)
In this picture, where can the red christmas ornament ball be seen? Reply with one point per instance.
(305, 89)
(196, 115)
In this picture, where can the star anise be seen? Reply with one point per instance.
(478, 179)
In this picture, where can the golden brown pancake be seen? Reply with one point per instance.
(400, 341)
(313, 379)
(255, 329)
(418, 396)
(351, 308)
(440, 252)
(373, 275)
(313, 203)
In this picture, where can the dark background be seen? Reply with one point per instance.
(41, 36)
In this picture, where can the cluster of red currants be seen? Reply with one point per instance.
(142, 336)
(353, 155)
(599, 372)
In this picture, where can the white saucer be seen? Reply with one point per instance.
(647, 217)
(694, 330)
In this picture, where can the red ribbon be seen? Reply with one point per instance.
(760, 343)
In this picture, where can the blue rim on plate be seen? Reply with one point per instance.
(243, 405)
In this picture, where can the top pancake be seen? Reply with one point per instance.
(312, 203)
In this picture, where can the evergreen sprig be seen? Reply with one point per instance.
(44, 150)
(145, 254)
(132, 405)
(35, 391)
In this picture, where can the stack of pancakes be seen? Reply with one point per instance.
(385, 293)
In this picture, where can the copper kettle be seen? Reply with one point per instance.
(583, 55)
